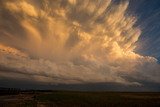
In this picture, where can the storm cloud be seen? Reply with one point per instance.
(72, 42)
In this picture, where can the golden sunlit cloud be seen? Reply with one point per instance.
(72, 41)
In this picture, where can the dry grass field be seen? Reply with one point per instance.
(81, 99)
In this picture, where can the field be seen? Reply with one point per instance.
(80, 99)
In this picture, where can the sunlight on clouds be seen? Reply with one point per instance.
(74, 42)
(72, 2)
(21, 7)
(12, 51)
(33, 33)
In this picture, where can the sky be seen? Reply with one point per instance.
(110, 45)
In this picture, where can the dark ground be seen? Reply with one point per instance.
(80, 99)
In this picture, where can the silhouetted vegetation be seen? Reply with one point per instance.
(101, 99)
(49, 98)
(9, 91)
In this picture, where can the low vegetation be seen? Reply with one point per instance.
(80, 99)
(101, 99)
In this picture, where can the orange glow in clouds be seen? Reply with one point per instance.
(74, 41)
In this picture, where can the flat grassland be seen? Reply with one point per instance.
(81, 99)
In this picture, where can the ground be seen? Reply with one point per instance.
(81, 99)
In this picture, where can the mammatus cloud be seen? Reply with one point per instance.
(72, 41)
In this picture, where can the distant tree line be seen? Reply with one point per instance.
(9, 91)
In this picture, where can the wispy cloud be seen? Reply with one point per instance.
(72, 42)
